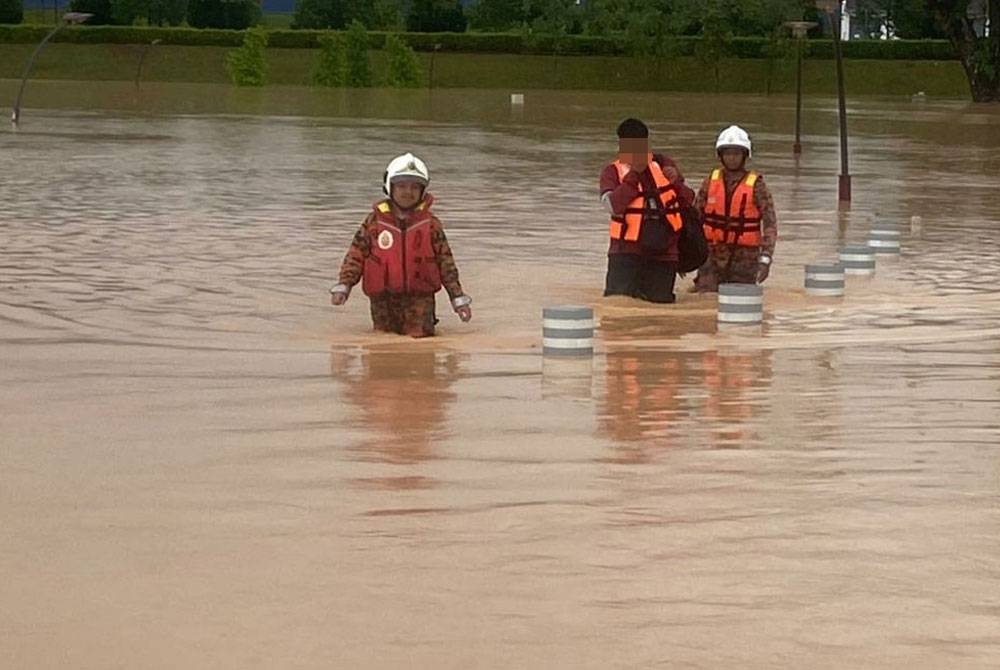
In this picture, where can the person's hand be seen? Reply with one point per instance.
(338, 298)
(631, 178)
(671, 173)
(762, 272)
(464, 313)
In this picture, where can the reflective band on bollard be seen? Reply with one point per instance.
(825, 279)
(884, 239)
(741, 303)
(567, 330)
(858, 260)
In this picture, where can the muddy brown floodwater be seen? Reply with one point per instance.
(203, 465)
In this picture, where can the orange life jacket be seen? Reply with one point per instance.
(627, 226)
(735, 220)
(401, 259)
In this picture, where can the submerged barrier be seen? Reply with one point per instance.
(567, 330)
(884, 238)
(825, 279)
(741, 304)
(858, 260)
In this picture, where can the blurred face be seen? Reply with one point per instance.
(733, 157)
(634, 151)
(407, 192)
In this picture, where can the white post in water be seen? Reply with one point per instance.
(517, 99)
(825, 279)
(916, 224)
(883, 238)
(567, 330)
(741, 304)
(858, 260)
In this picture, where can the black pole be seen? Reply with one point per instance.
(797, 147)
(16, 115)
(844, 184)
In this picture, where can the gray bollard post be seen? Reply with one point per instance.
(858, 260)
(825, 279)
(883, 238)
(741, 304)
(567, 330)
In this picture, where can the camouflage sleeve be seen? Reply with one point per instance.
(769, 221)
(354, 261)
(445, 261)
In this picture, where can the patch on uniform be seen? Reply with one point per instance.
(385, 240)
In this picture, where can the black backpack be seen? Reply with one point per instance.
(692, 248)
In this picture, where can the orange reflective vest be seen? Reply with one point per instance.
(627, 226)
(735, 220)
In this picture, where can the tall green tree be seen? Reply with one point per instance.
(435, 16)
(497, 15)
(233, 14)
(716, 38)
(338, 14)
(169, 12)
(403, 68)
(359, 74)
(331, 67)
(101, 11)
(980, 55)
(11, 11)
(247, 66)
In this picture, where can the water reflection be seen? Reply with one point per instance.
(401, 401)
(736, 384)
(641, 402)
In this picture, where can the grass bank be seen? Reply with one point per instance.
(169, 63)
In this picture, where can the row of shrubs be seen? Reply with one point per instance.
(513, 43)
(342, 61)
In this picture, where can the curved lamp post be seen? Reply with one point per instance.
(833, 9)
(799, 30)
(68, 18)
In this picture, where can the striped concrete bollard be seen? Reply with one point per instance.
(883, 238)
(825, 279)
(741, 304)
(858, 260)
(567, 330)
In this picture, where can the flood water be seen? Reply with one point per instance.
(204, 465)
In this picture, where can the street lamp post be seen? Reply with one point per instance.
(833, 10)
(68, 18)
(437, 47)
(142, 58)
(799, 30)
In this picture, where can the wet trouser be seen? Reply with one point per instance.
(728, 264)
(640, 277)
(404, 314)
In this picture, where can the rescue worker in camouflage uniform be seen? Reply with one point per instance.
(402, 257)
(738, 217)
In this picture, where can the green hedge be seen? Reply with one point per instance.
(513, 43)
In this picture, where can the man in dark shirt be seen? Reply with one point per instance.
(644, 193)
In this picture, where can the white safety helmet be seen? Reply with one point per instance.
(733, 136)
(406, 165)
